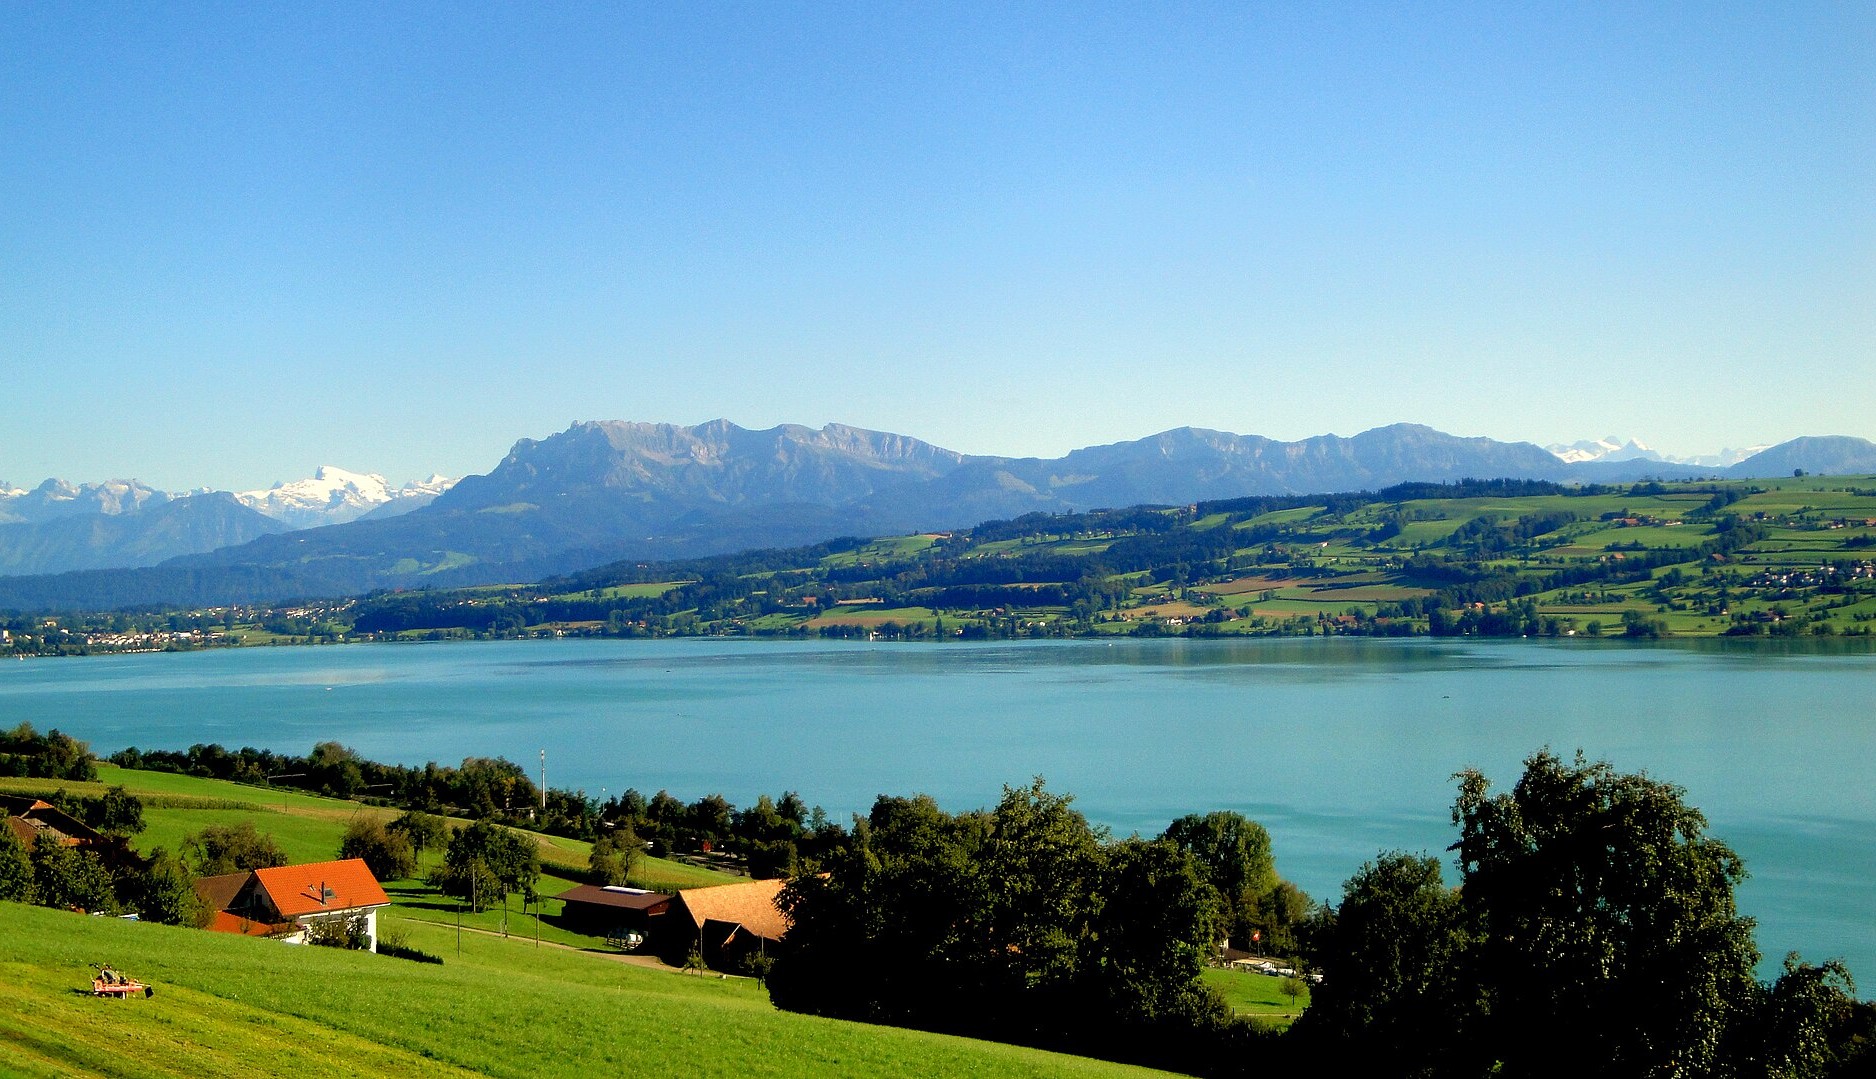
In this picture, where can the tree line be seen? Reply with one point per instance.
(1593, 932)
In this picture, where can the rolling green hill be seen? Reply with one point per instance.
(1794, 556)
(1499, 558)
(497, 1005)
(230, 1006)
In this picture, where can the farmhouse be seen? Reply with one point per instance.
(31, 818)
(725, 923)
(287, 901)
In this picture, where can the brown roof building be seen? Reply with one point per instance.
(617, 913)
(727, 922)
(31, 817)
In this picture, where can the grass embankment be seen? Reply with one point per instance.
(230, 1006)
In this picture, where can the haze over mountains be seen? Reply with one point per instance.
(606, 491)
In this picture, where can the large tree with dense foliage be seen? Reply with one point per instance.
(484, 862)
(231, 848)
(1392, 959)
(386, 853)
(615, 856)
(1594, 933)
(1022, 923)
(1604, 908)
(71, 878)
(16, 871)
(165, 892)
(1235, 852)
(423, 831)
(52, 755)
(116, 812)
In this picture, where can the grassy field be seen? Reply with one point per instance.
(229, 1006)
(301, 838)
(886, 549)
(309, 827)
(873, 616)
(1259, 996)
(645, 590)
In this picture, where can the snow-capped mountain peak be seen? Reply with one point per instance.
(334, 495)
(1604, 449)
(1613, 448)
(432, 487)
(331, 496)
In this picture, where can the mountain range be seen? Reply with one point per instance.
(606, 491)
(1613, 448)
(61, 526)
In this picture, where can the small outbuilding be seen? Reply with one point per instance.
(616, 912)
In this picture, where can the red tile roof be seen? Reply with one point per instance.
(321, 887)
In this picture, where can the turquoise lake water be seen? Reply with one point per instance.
(1341, 747)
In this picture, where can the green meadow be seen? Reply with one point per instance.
(516, 994)
(310, 827)
(1259, 996)
(230, 1006)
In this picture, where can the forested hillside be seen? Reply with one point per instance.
(1492, 558)
(1487, 558)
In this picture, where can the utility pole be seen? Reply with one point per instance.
(283, 793)
(543, 784)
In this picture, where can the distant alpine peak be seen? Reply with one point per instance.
(435, 485)
(1609, 448)
(328, 484)
(335, 495)
(1613, 448)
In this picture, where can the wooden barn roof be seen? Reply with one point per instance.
(43, 817)
(219, 892)
(750, 905)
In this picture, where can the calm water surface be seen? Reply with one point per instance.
(1342, 748)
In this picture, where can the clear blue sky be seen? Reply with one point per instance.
(239, 241)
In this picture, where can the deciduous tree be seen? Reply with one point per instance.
(1235, 852)
(231, 848)
(69, 877)
(424, 831)
(485, 862)
(616, 854)
(1602, 907)
(387, 854)
(16, 871)
(1594, 933)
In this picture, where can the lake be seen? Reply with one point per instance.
(1340, 747)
